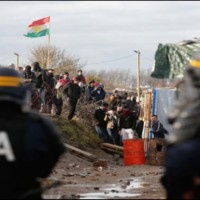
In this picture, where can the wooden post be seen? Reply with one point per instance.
(138, 74)
(49, 47)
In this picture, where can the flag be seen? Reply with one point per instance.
(171, 59)
(38, 28)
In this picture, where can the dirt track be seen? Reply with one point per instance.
(81, 180)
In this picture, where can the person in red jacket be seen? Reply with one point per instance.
(66, 79)
(81, 77)
(82, 81)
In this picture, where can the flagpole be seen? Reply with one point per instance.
(48, 53)
(49, 46)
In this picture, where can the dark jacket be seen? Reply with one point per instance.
(98, 96)
(41, 78)
(51, 82)
(158, 130)
(131, 104)
(73, 92)
(29, 75)
(35, 148)
(88, 91)
(127, 120)
(99, 116)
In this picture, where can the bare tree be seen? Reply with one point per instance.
(147, 80)
(126, 80)
(112, 78)
(58, 59)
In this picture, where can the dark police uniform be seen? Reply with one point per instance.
(29, 143)
(182, 163)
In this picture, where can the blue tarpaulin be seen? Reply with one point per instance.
(162, 104)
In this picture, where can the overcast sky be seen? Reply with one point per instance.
(103, 34)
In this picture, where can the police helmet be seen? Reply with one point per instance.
(11, 86)
(185, 117)
(193, 69)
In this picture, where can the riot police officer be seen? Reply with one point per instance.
(182, 160)
(29, 143)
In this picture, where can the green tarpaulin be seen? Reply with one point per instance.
(170, 59)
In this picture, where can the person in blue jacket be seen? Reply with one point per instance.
(157, 129)
(99, 93)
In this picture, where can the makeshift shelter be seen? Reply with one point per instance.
(170, 59)
(158, 101)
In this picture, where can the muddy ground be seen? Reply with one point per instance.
(80, 180)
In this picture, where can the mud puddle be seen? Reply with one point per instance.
(123, 190)
(102, 195)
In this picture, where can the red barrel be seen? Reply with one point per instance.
(134, 152)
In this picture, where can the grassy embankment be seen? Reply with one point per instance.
(76, 133)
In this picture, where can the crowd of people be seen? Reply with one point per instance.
(115, 118)
(49, 90)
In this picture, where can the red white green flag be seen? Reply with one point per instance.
(38, 28)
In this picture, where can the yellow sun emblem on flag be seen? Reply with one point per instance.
(37, 29)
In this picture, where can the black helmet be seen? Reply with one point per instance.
(11, 86)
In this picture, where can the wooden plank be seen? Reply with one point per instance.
(113, 151)
(112, 146)
(85, 154)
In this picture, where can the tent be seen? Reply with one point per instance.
(170, 59)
